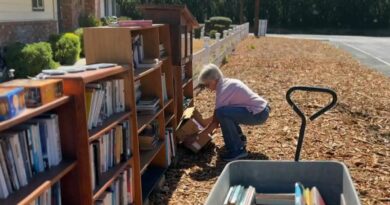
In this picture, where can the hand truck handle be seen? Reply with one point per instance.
(302, 115)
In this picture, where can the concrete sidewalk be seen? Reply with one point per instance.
(371, 51)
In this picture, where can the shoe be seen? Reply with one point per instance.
(231, 156)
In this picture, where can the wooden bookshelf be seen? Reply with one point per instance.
(75, 85)
(114, 45)
(65, 172)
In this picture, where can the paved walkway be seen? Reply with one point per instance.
(372, 51)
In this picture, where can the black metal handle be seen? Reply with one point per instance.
(302, 115)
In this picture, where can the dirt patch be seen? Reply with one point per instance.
(356, 132)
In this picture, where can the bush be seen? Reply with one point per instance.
(66, 48)
(221, 20)
(108, 20)
(80, 33)
(88, 20)
(29, 59)
(207, 26)
(197, 32)
(212, 33)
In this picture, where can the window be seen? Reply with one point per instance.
(37, 5)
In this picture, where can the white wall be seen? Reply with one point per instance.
(21, 10)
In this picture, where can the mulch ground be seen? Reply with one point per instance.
(356, 131)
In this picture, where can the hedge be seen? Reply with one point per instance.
(29, 59)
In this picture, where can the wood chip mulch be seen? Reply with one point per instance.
(356, 131)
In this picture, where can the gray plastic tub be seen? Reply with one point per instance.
(331, 178)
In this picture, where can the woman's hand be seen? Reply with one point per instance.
(211, 126)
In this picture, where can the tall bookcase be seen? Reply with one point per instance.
(181, 23)
(66, 171)
(114, 45)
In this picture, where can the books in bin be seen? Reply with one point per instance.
(120, 192)
(148, 138)
(111, 149)
(11, 102)
(148, 105)
(104, 99)
(28, 149)
(239, 195)
(37, 92)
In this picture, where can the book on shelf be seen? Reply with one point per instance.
(11, 102)
(149, 137)
(138, 92)
(170, 145)
(139, 60)
(37, 92)
(51, 196)
(110, 150)
(183, 72)
(120, 192)
(163, 51)
(135, 23)
(164, 87)
(148, 105)
(28, 149)
(104, 99)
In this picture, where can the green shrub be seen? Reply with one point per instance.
(108, 20)
(29, 59)
(80, 33)
(88, 20)
(212, 33)
(197, 32)
(66, 49)
(207, 26)
(221, 20)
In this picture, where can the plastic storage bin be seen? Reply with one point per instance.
(331, 178)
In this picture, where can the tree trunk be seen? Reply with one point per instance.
(256, 22)
(241, 11)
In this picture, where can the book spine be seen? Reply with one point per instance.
(25, 153)
(17, 154)
(10, 165)
(3, 166)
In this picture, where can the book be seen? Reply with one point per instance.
(3, 186)
(164, 87)
(226, 201)
(135, 23)
(10, 163)
(4, 168)
(275, 199)
(11, 102)
(37, 92)
(316, 197)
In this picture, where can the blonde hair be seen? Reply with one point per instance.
(209, 72)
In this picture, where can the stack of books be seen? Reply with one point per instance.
(163, 51)
(28, 149)
(135, 23)
(148, 106)
(239, 195)
(139, 60)
(51, 196)
(110, 150)
(104, 99)
(170, 145)
(149, 137)
(137, 90)
(119, 193)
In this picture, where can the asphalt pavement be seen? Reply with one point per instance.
(371, 51)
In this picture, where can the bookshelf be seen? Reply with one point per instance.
(115, 45)
(65, 172)
(76, 84)
(181, 24)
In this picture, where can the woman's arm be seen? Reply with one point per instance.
(213, 124)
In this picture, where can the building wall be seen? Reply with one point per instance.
(26, 31)
(21, 10)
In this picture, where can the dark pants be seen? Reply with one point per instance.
(230, 118)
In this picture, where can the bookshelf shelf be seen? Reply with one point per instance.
(150, 179)
(33, 112)
(187, 82)
(108, 178)
(144, 120)
(168, 103)
(168, 119)
(110, 123)
(142, 72)
(40, 183)
(147, 156)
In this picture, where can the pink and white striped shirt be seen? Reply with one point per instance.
(234, 93)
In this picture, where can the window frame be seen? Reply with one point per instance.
(38, 7)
